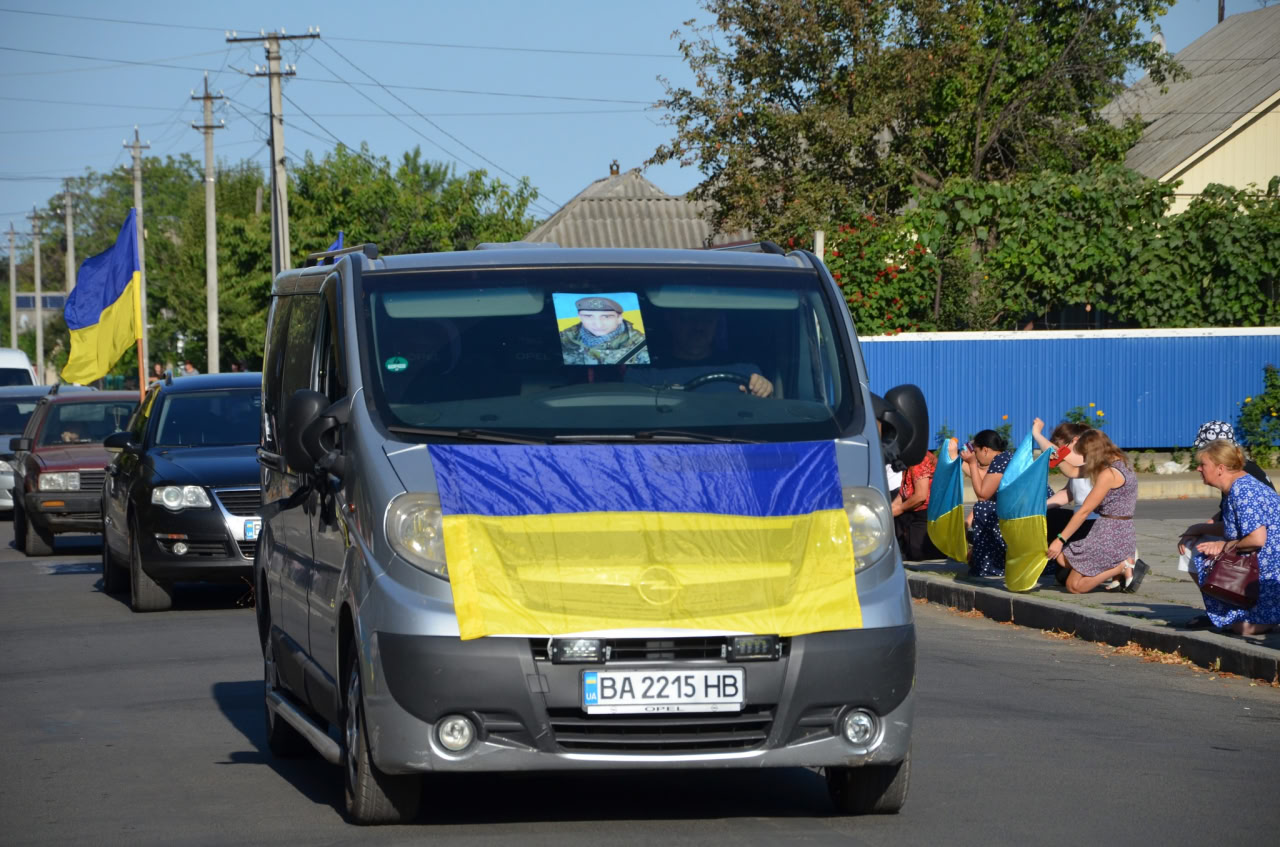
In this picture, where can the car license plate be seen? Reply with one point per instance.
(251, 528)
(652, 691)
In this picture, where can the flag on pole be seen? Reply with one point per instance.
(337, 245)
(946, 507)
(104, 311)
(1020, 508)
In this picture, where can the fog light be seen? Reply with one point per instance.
(179, 548)
(745, 648)
(860, 727)
(455, 733)
(577, 650)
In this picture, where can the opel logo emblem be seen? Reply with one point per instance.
(658, 586)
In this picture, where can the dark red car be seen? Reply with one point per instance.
(60, 465)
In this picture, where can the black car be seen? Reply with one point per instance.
(182, 493)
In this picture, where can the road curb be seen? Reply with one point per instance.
(1207, 649)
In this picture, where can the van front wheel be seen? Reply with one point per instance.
(372, 797)
(870, 789)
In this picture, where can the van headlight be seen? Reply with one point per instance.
(415, 529)
(870, 525)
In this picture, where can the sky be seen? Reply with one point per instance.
(553, 90)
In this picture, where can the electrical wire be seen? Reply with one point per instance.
(477, 93)
(432, 123)
(72, 128)
(158, 63)
(81, 103)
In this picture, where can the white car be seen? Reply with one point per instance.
(15, 368)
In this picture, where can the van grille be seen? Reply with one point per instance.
(718, 732)
(656, 649)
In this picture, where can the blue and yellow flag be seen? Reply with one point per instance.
(946, 508)
(545, 540)
(104, 311)
(1020, 507)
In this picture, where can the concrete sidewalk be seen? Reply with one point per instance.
(1153, 617)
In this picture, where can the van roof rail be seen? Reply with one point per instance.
(328, 257)
(756, 247)
(513, 245)
(54, 389)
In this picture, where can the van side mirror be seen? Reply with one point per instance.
(304, 408)
(20, 445)
(121, 442)
(904, 419)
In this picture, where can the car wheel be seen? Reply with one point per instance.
(35, 541)
(372, 797)
(19, 526)
(112, 573)
(870, 789)
(283, 740)
(145, 594)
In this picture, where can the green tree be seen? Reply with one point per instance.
(808, 111)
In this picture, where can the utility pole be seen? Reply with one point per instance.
(1222, 10)
(13, 292)
(71, 237)
(137, 147)
(210, 227)
(35, 258)
(280, 248)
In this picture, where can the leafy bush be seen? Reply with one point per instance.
(1258, 425)
(1089, 415)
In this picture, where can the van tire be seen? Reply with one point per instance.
(35, 541)
(372, 797)
(870, 789)
(145, 594)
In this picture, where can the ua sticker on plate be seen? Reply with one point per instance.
(251, 528)
(397, 363)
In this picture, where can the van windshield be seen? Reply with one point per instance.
(15, 376)
(570, 353)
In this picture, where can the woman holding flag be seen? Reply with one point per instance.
(1109, 550)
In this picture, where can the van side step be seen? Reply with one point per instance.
(317, 737)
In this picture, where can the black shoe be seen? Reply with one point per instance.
(1140, 570)
(1061, 575)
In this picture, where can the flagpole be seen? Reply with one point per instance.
(142, 374)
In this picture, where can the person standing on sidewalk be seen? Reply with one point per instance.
(1251, 523)
(1110, 549)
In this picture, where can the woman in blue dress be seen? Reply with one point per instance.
(1251, 523)
(985, 465)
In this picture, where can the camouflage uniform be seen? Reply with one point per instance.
(608, 353)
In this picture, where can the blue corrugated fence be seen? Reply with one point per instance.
(1153, 387)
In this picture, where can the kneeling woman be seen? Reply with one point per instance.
(1251, 523)
(1109, 550)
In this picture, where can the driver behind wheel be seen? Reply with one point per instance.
(693, 335)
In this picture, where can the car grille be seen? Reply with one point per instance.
(655, 649)
(718, 732)
(92, 480)
(244, 502)
(247, 548)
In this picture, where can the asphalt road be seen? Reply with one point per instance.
(147, 729)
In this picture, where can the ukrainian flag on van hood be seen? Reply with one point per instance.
(945, 514)
(551, 540)
(1020, 508)
(104, 311)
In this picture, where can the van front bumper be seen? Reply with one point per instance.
(528, 711)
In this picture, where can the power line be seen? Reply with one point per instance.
(536, 113)
(477, 93)
(72, 128)
(82, 103)
(112, 20)
(432, 123)
(160, 63)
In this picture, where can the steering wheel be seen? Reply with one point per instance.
(722, 376)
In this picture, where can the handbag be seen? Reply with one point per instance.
(1233, 579)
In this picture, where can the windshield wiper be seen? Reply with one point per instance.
(468, 435)
(675, 435)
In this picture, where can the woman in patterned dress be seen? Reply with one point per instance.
(1109, 550)
(1251, 523)
(985, 465)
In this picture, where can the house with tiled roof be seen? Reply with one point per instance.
(626, 210)
(1221, 125)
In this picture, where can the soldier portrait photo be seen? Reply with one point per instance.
(601, 329)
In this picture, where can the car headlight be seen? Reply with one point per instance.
(870, 525)
(68, 481)
(415, 528)
(175, 498)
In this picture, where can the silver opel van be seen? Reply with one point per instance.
(543, 509)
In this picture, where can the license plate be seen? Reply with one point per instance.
(251, 528)
(653, 691)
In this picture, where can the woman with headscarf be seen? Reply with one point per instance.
(1251, 524)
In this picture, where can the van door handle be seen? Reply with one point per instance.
(271, 461)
